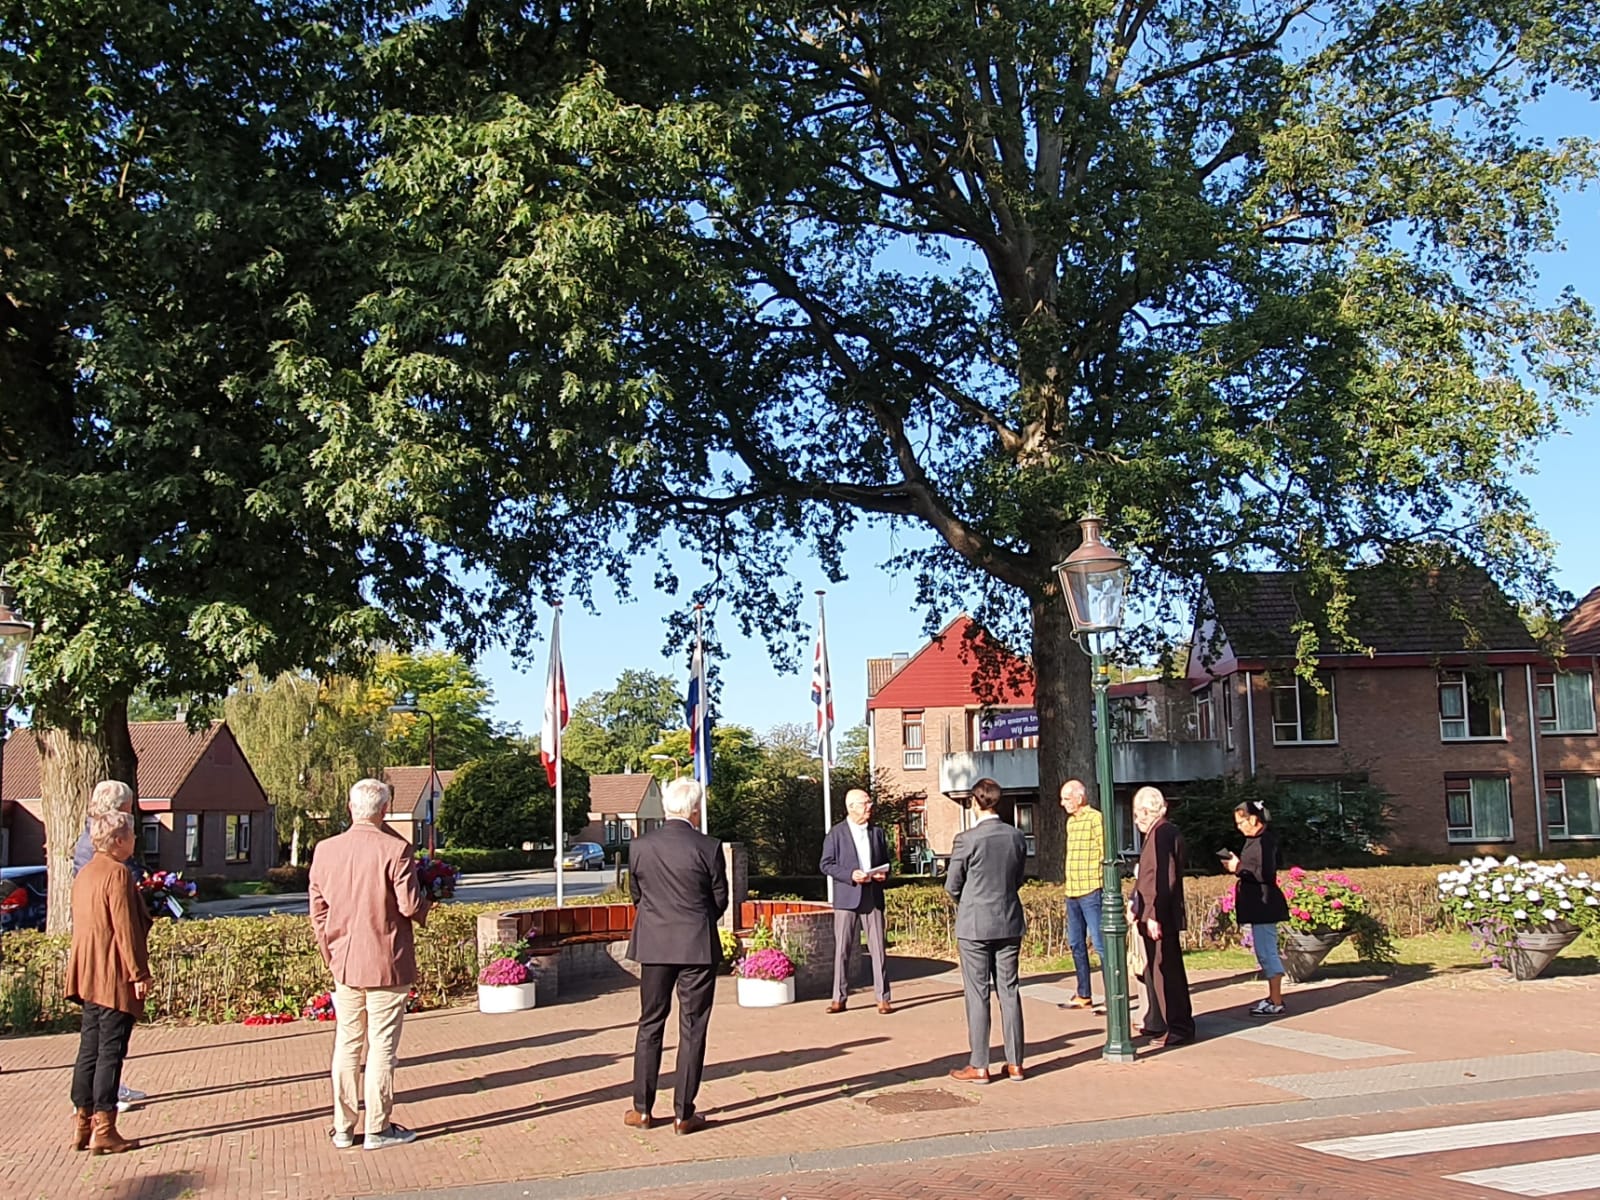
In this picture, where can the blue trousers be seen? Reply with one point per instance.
(1083, 916)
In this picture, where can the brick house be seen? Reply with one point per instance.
(621, 807)
(1455, 712)
(201, 808)
(408, 806)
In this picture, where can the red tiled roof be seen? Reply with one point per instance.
(167, 752)
(611, 795)
(410, 785)
(1582, 626)
(940, 675)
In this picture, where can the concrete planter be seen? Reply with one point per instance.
(1302, 953)
(1528, 953)
(505, 998)
(765, 993)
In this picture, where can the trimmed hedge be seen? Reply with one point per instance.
(231, 967)
(472, 861)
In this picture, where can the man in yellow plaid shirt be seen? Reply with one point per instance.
(1085, 859)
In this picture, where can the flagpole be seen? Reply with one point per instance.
(825, 742)
(555, 650)
(703, 725)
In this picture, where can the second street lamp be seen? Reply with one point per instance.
(408, 704)
(1094, 581)
(677, 763)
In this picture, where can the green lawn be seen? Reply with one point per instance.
(1429, 954)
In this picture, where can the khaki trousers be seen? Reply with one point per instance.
(370, 1018)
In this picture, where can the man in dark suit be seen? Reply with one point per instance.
(849, 852)
(986, 865)
(1157, 912)
(679, 884)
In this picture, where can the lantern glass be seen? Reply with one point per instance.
(15, 637)
(1094, 580)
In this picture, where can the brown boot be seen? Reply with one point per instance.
(106, 1139)
(82, 1120)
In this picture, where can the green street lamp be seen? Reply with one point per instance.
(1094, 580)
(16, 635)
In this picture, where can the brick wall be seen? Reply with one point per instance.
(944, 731)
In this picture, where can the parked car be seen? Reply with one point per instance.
(23, 891)
(584, 856)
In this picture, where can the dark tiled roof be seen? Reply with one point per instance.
(166, 750)
(1581, 629)
(1438, 610)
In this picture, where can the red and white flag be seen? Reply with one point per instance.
(555, 706)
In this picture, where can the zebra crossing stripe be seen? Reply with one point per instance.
(1551, 1177)
(1462, 1137)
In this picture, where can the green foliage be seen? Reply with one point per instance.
(445, 685)
(506, 799)
(1316, 824)
(616, 730)
(474, 861)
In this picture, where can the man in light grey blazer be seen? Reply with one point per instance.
(986, 865)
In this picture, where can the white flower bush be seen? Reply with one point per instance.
(1511, 895)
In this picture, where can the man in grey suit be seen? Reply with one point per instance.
(986, 865)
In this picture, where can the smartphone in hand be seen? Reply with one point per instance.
(1224, 854)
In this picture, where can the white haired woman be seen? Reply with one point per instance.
(108, 972)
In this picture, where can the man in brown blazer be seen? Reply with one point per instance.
(1157, 912)
(365, 898)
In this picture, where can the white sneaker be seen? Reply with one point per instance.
(342, 1139)
(127, 1097)
(1266, 1008)
(395, 1135)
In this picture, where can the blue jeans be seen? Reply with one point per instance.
(1265, 938)
(1083, 916)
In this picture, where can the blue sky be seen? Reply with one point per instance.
(872, 613)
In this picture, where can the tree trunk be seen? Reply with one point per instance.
(72, 759)
(1064, 701)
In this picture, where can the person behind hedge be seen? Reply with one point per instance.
(108, 973)
(109, 796)
(1257, 900)
(366, 901)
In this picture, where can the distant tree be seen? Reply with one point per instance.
(451, 689)
(614, 730)
(736, 759)
(506, 799)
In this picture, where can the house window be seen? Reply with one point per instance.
(914, 757)
(1471, 705)
(1131, 718)
(1024, 819)
(191, 838)
(150, 831)
(1205, 722)
(627, 831)
(1566, 701)
(1572, 806)
(1303, 710)
(1226, 688)
(613, 832)
(1478, 809)
(236, 837)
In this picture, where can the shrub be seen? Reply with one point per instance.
(472, 861)
(211, 887)
(289, 879)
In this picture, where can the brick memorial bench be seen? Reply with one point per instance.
(583, 943)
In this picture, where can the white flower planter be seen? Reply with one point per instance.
(765, 993)
(504, 998)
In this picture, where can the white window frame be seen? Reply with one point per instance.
(193, 848)
(913, 758)
(1131, 718)
(232, 850)
(1459, 683)
(1205, 716)
(1225, 686)
(1558, 832)
(150, 831)
(1300, 739)
(1463, 833)
(1545, 688)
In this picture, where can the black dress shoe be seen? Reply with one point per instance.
(1168, 1040)
(690, 1124)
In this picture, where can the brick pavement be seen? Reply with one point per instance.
(244, 1112)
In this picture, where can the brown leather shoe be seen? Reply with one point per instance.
(885, 1007)
(1013, 1071)
(970, 1074)
(82, 1125)
(634, 1119)
(690, 1124)
(105, 1139)
(835, 1007)
(1080, 1002)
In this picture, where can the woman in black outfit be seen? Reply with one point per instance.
(1257, 900)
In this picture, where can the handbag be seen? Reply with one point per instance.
(1136, 956)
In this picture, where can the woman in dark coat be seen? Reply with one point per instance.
(108, 972)
(1257, 900)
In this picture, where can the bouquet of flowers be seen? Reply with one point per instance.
(319, 1008)
(1515, 896)
(1331, 902)
(770, 963)
(165, 892)
(438, 877)
(503, 972)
